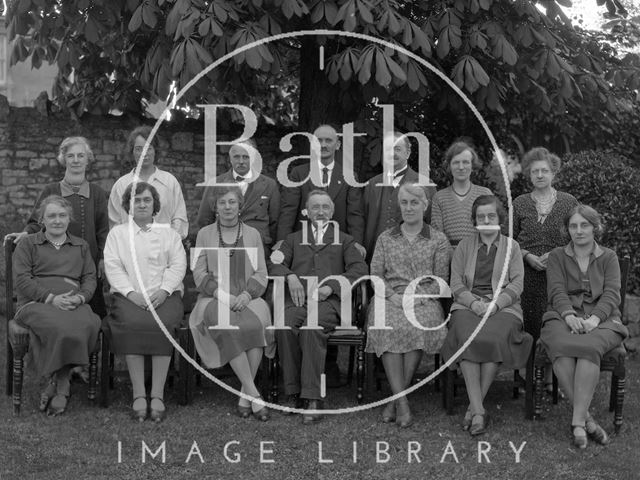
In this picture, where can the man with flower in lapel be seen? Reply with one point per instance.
(319, 250)
(261, 194)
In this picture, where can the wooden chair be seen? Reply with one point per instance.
(17, 343)
(613, 361)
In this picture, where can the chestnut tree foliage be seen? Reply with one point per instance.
(520, 61)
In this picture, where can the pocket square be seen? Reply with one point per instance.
(263, 197)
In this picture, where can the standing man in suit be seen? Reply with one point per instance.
(261, 195)
(380, 202)
(316, 251)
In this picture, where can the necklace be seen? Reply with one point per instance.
(56, 244)
(229, 245)
(461, 194)
(544, 204)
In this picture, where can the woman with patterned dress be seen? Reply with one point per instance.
(231, 275)
(55, 277)
(451, 210)
(403, 254)
(131, 326)
(89, 202)
(478, 263)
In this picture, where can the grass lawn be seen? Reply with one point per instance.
(83, 443)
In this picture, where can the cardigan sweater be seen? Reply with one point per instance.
(463, 267)
(564, 287)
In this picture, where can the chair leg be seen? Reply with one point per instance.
(555, 389)
(528, 388)
(620, 390)
(436, 366)
(274, 378)
(18, 372)
(105, 372)
(352, 355)
(359, 372)
(449, 386)
(517, 380)
(185, 373)
(93, 374)
(612, 392)
(538, 390)
(9, 368)
(370, 370)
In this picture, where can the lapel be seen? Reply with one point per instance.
(337, 180)
(254, 190)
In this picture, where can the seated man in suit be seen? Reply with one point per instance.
(261, 196)
(380, 203)
(318, 250)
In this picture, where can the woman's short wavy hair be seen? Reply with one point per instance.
(220, 191)
(488, 200)
(456, 148)
(143, 131)
(54, 200)
(540, 154)
(69, 142)
(416, 190)
(590, 215)
(141, 187)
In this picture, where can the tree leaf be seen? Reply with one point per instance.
(364, 11)
(136, 20)
(177, 59)
(364, 65)
(149, 15)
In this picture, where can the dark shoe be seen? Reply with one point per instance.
(141, 414)
(389, 412)
(263, 414)
(47, 394)
(157, 415)
(579, 436)
(403, 414)
(596, 432)
(466, 421)
(332, 375)
(478, 428)
(244, 412)
(309, 418)
(293, 401)
(58, 404)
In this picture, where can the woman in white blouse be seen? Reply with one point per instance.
(132, 328)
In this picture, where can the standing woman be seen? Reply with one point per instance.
(55, 277)
(230, 285)
(477, 266)
(402, 254)
(90, 219)
(131, 327)
(583, 318)
(538, 227)
(173, 210)
(451, 212)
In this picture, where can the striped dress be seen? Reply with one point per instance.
(452, 215)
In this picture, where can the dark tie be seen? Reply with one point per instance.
(239, 179)
(75, 189)
(325, 177)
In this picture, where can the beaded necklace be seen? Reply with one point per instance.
(545, 205)
(229, 245)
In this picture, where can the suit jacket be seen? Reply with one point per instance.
(372, 207)
(260, 209)
(347, 200)
(320, 260)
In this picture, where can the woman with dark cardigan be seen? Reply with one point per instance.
(132, 328)
(477, 266)
(90, 219)
(582, 322)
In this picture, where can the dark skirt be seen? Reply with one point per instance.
(59, 337)
(557, 339)
(133, 331)
(501, 339)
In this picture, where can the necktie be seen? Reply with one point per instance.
(239, 179)
(325, 177)
(75, 189)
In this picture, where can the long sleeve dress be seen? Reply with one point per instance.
(57, 337)
(162, 263)
(398, 262)
(246, 271)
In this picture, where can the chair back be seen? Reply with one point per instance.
(9, 247)
(625, 266)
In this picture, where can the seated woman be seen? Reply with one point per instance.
(230, 283)
(583, 319)
(55, 277)
(132, 327)
(402, 254)
(476, 268)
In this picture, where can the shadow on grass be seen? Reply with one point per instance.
(206, 439)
